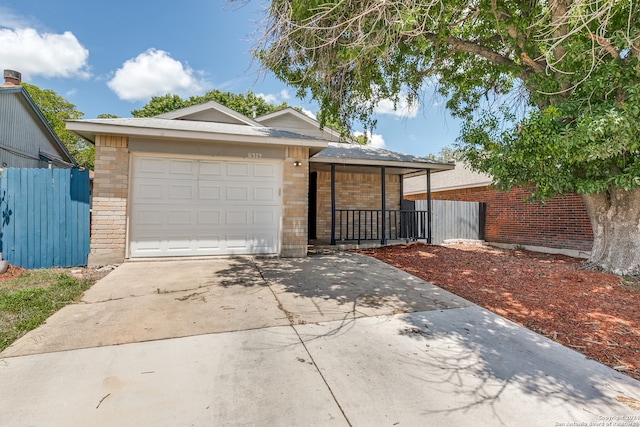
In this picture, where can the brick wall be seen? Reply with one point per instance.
(109, 201)
(295, 194)
(353, 191)
(560, 223)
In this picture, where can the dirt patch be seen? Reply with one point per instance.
(11, 273)
(591, 312)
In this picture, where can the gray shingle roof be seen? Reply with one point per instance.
(198, 126)
(461, 177)
(337, 150)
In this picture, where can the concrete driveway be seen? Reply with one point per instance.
(328, 340)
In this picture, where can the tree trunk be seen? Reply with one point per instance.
(615, 220)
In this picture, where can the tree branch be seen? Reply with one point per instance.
(605, 44)
(460, 45)
(531, 63)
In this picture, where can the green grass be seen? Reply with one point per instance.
(27, 301)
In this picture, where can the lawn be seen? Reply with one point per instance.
(28, 297)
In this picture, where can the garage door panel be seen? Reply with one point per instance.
(237, 193)
(179, 242)
(237, 217)
(181, 169)
(187, 207)
(180, 218)
(150, 167)
(237, 169)
(147, 216)
(265, 194)
(207, 242)
(209, 191)
(265, 171)
(264, 218)
(210, 170)
(147, 190)
(209, 217)
(182, 191)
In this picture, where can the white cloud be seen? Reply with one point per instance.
(284, 94)
(273, 98)
(47, 55)
(309, 113)
(269, 97)
(402, 109)
(154, 72)
(374, 140)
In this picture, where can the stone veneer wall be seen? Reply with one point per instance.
(109, 203)
(353, 191)
(295, 202)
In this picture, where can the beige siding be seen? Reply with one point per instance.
(295, 124)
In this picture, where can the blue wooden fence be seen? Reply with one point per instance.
(45, 217)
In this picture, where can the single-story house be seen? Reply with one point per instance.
(26, 138)
(206, 180)
(561, 223)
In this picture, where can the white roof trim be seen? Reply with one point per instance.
(199, 131)
(387, 163)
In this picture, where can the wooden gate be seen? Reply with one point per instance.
(455, 220)
(45, 217)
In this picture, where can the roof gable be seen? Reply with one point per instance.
(210, 111)
(295, 121)
(23, 125)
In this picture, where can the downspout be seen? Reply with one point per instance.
(333, 204)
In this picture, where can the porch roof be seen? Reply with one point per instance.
(357, 156)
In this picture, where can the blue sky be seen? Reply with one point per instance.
(111, 57)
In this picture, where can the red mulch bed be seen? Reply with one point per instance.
(11, 273)
(594, 313)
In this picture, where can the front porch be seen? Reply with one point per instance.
(355, 196)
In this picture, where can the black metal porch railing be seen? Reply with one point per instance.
(360, 224)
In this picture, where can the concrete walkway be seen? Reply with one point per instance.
(327, 340)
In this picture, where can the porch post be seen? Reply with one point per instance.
(384, 207)
(429, 206)
(333, 204)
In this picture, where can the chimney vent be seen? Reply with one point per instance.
(12, 78)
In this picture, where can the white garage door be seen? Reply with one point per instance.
(188, 207)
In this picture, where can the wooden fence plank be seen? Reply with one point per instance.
(68, 222)
(45, 217)
(21, 223)
(52, 230)
(58, 220)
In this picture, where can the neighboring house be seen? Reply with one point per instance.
(206, 180)
(26, 139)
(559, 223)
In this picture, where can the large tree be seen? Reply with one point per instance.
(548, 91)
(241, 103)
(56, 110)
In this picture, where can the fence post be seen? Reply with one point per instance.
(384, 206)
